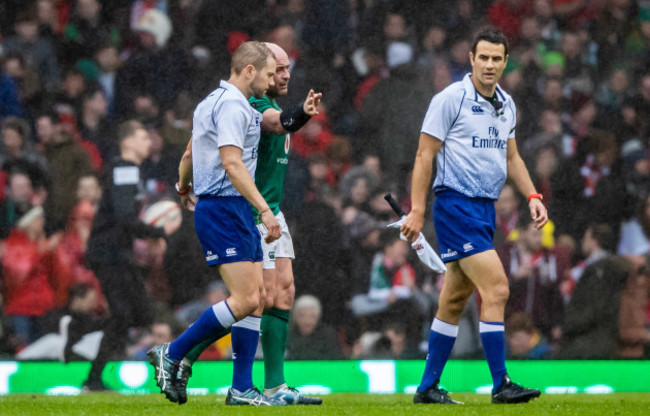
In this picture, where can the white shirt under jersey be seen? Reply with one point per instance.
(473, 156)
(223, 118)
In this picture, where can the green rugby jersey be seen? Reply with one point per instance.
(272, 160)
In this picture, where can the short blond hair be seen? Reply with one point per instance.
(250, 53)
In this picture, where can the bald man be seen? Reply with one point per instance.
(273, 157)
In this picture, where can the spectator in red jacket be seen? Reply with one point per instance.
(68, 267)
(507, 15)
(26, 282)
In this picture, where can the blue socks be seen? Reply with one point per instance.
(441, 341)
(216, 320)
(492, 337)
(245, 336)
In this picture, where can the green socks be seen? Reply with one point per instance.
(274, 328)
(195, 352)
(274, 331)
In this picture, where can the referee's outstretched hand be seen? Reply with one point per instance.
(272, 225)
(538, 213)
(412, 226)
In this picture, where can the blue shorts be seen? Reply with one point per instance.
(464, 226)
(226, 229)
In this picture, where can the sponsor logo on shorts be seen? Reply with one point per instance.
(468, 247)
(231, 252)
(211, 256)
(448, 254)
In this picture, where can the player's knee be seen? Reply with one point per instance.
(251, 302)
(498, 295)
(455, 308)
(456, 303)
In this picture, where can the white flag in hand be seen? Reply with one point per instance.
(424, 250)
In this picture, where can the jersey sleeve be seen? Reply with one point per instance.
(513, 127)
(443, 111)
(260, 104)
(232, 119)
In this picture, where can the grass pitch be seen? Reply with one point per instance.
(335, 404)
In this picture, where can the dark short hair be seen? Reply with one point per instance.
(604, 235)
(18, 125)
(79, 290)
(524, 221)
(90, 91)
(388, 237)
(128, 129)
(493, 36)
(520, 321)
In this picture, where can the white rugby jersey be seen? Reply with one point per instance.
(223, 118)
(472, 159)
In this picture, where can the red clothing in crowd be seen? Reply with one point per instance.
(27, 286)
(69, 269)
(68, 260)
(314, 137)
(581, 17)
(509, 21)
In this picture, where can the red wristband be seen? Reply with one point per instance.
(183, 191)
(538, 196)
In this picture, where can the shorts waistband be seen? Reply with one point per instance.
(445, 191)
(231, 198)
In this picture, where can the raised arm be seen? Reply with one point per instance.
(428, 148)
(518, 173)
(292, 119)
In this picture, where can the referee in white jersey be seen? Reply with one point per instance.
(470, 129)
(219, 166)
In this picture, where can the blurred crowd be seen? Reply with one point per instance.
(579, 71)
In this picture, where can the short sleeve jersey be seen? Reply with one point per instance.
(223, 118)
(475, 137)
(273, 158)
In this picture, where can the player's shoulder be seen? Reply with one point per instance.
(231, 103)
(455, 88)
(452, 94)
(262, 104)
(224, 94)
(254, 101)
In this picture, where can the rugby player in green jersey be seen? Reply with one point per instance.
(272, 160)
(273, 154)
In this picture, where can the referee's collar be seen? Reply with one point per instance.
(230, 87)
(473, 94)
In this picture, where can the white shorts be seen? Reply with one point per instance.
(282, 247)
